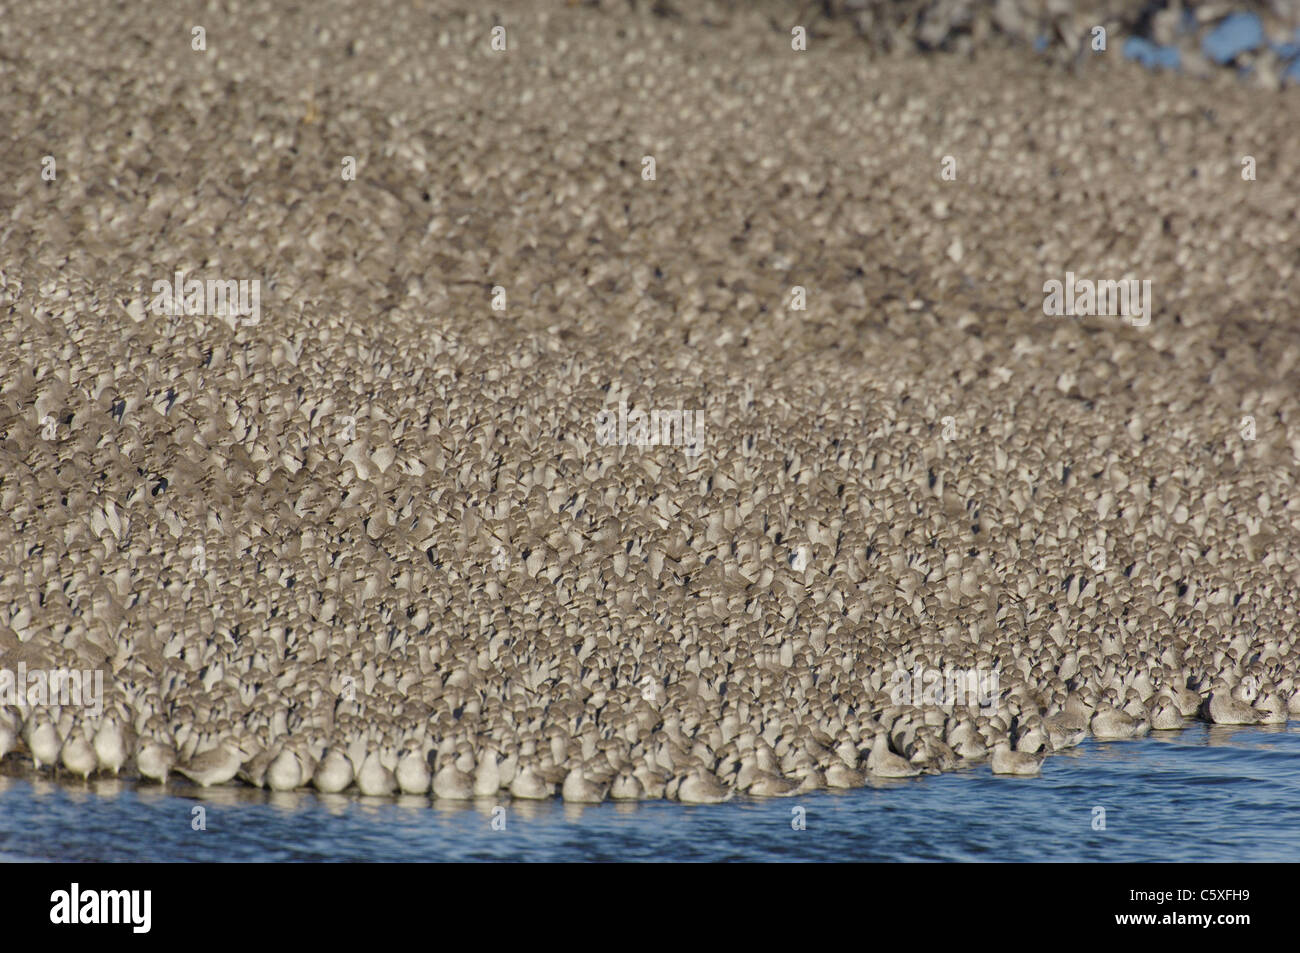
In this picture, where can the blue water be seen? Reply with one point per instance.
(1222, 43)
(1204, 793)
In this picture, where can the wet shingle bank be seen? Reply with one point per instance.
(375, 502)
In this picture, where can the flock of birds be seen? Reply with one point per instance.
(372, 543)
(430, 595)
